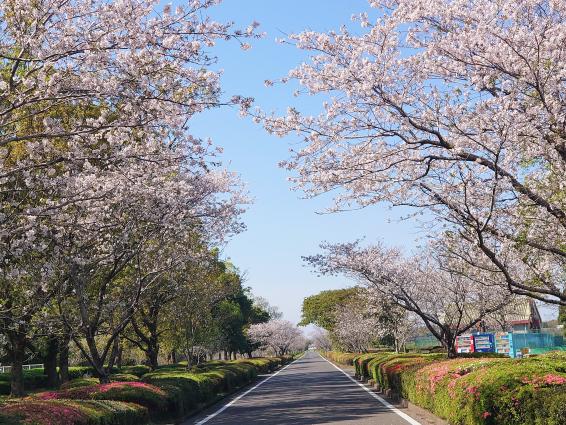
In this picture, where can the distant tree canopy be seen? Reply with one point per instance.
(320, 309)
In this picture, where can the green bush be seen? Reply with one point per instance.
(33, 379)
(489, 391)
(137, 370)
(149, 396)
(360, 362)
(346, 359)
(187, 389)
(481, 389)
(79, 382)
(72, 412)
(87, 382)
(170, 392)
(123, 377)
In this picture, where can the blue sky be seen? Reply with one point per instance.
(281, 226)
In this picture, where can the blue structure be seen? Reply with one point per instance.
(484, 343)
(504, 343)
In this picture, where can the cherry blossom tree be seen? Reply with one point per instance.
(99, 176)
(357, 329)
(121, 247)
(452, 106)
(398, 325)
(321, 339)
(281, 336)
(449, 301)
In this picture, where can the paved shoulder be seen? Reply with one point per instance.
(309, 391)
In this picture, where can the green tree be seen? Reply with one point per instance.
(320, 309)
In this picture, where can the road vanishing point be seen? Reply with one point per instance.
(310, 390)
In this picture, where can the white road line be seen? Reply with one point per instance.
(227, 405)
(378, 398)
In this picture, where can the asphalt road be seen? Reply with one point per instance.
(309, 391)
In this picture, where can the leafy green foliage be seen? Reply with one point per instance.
(72, 412)
(340, 357)
(319, 309)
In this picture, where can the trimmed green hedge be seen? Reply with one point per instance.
(202, 384)
(478, 390)
(72, 412)
(169, 393)
(149, 396)
(340, 358)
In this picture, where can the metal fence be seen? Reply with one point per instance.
(542, 341)
(422, 342)
(536, 340)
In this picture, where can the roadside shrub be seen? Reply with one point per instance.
(183, 388)
(263, 365)
(481, 389)
(346, 359)
(72, 412)
(146, 395)
(169, 392)
(362, 361)
(492, 391)
(87, 382)
(389, 371)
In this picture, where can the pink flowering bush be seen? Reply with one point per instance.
(71, 412)
(147, 395)
(475, 391)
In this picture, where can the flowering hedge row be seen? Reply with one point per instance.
(340, 358)
(72, 412)
(187, 390)
(475, 391)
(170, 392)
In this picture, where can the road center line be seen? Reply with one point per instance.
(227, 405)
(378, 398)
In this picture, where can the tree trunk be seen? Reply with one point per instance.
(114, 354)
(153, 349)
(96, 362)
(119, 357)
(450, 345)
(50, 363)
(17, 350)
(174, 356)
(64, 358)
(151, 358)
